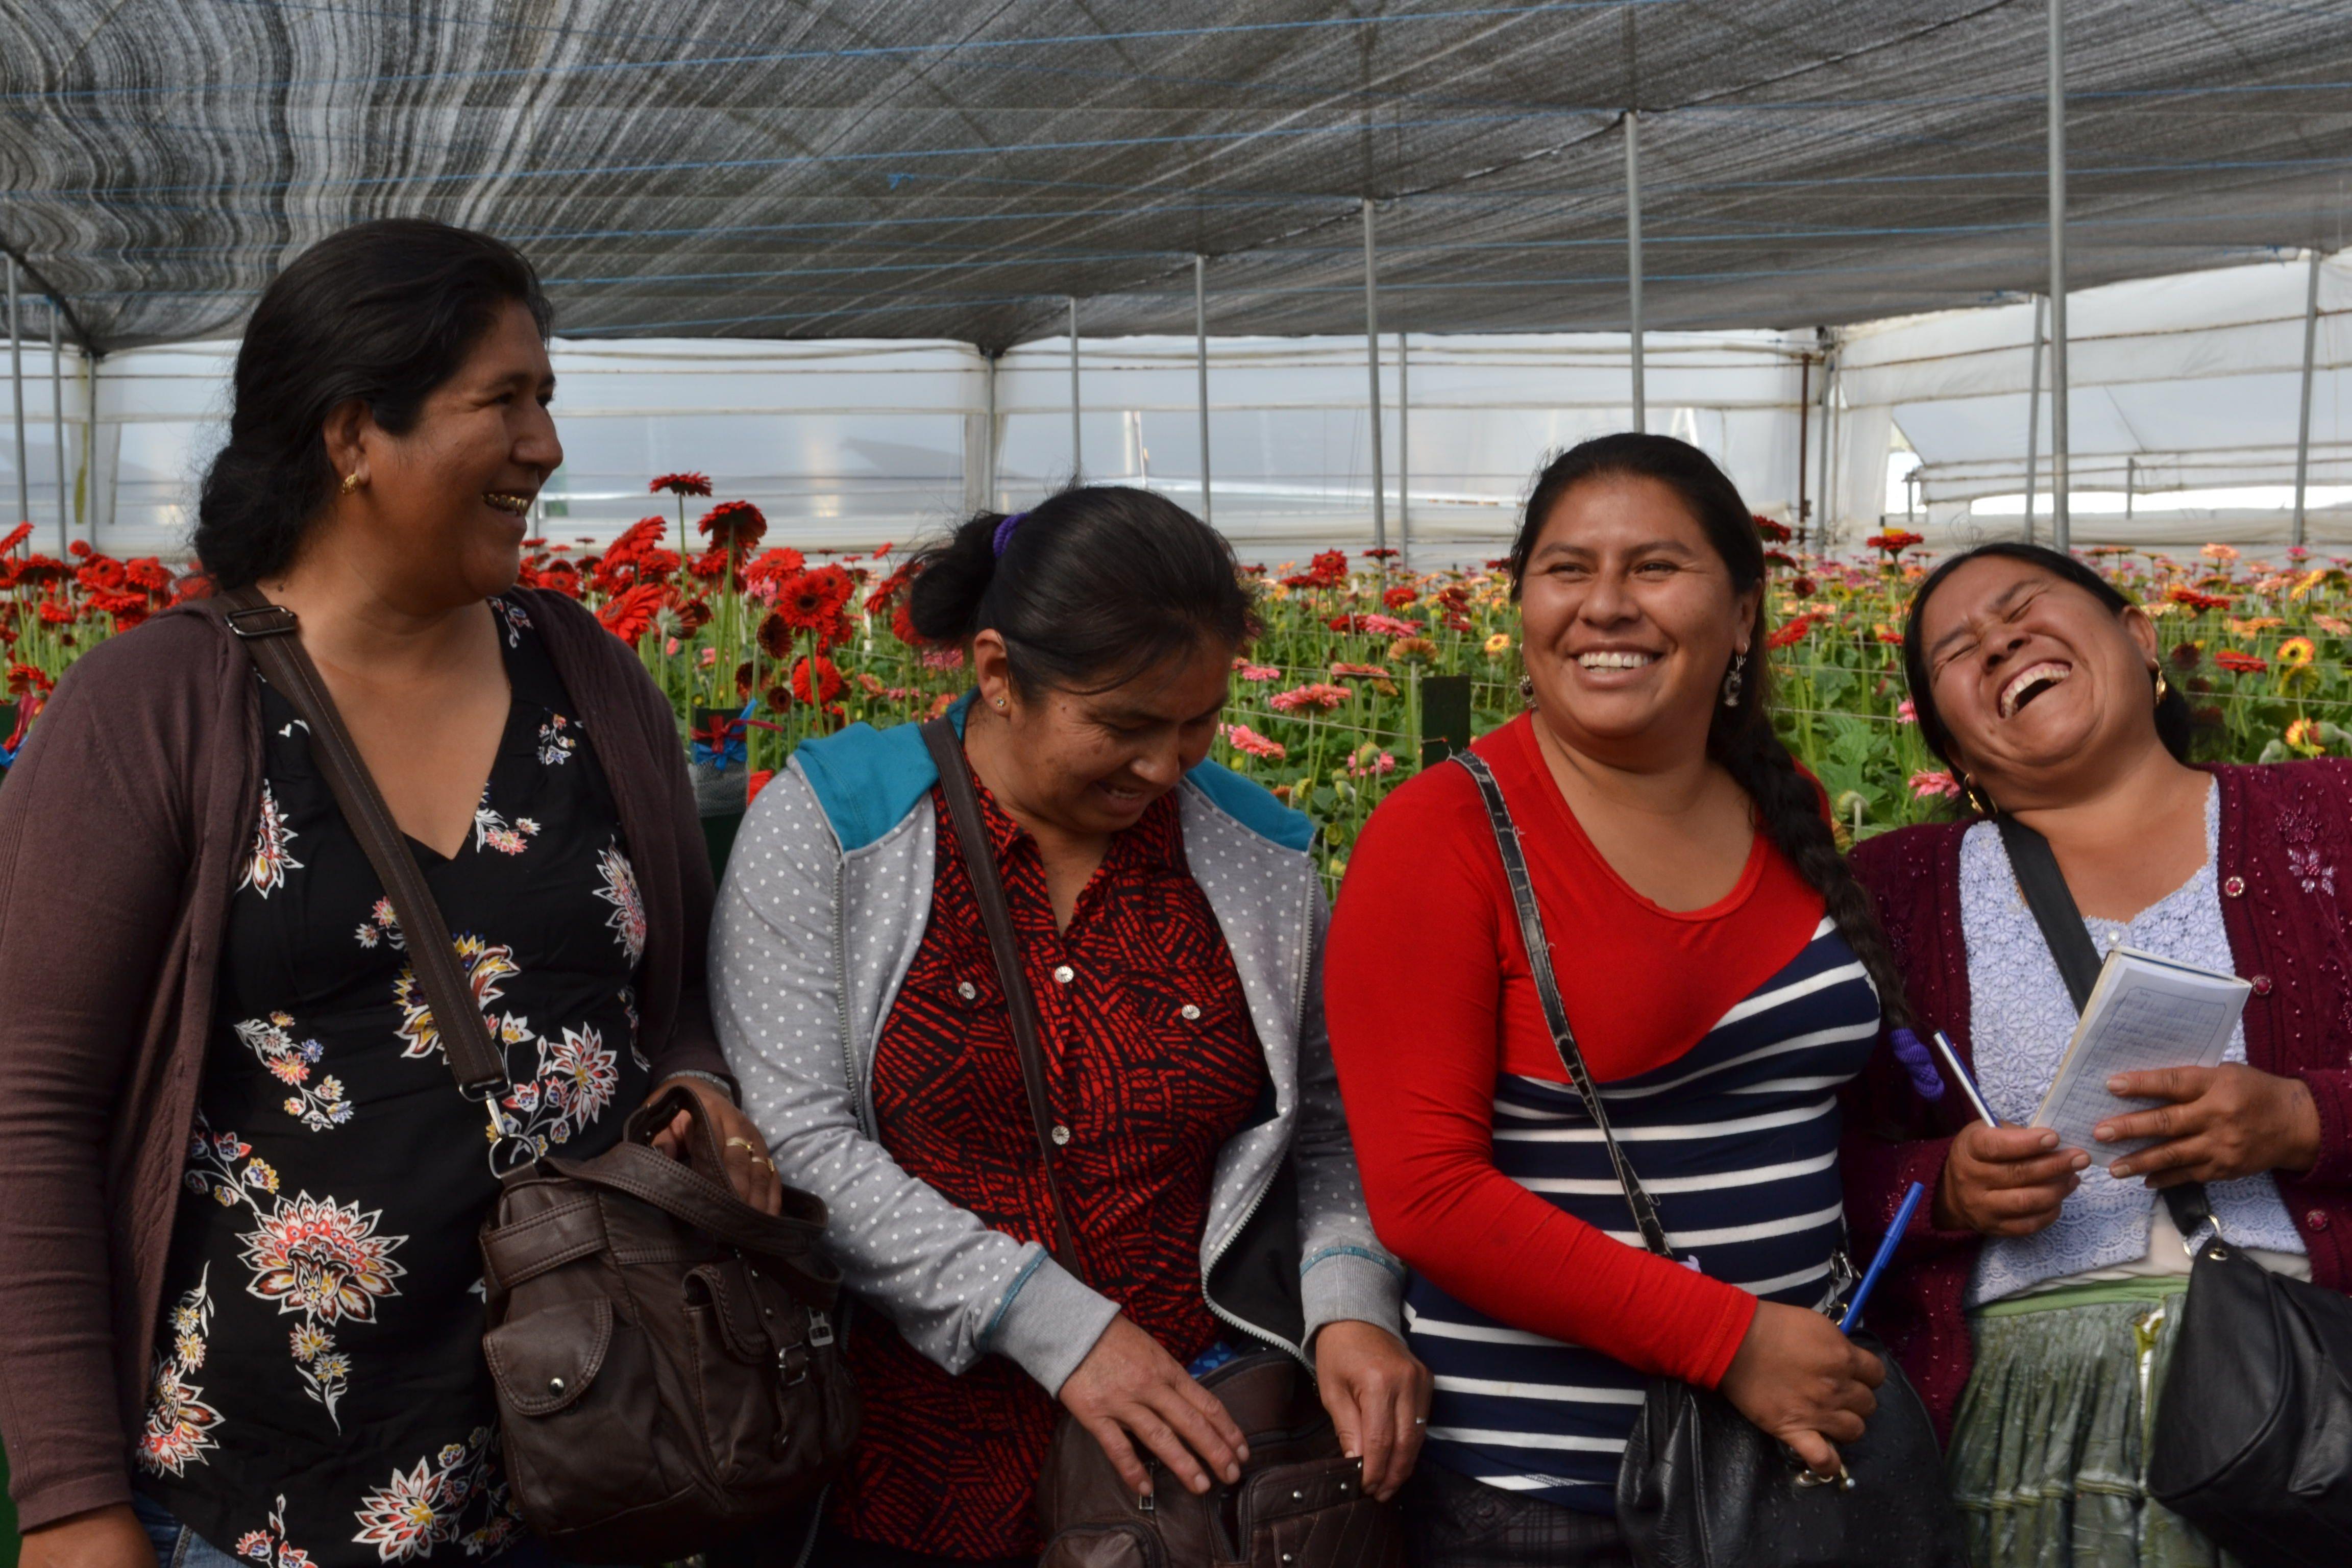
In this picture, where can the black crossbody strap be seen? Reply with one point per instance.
(1563, 1038)
(2077, 957)
(267, 631)
(1028, 1030)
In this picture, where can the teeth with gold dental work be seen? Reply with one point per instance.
(507, 501)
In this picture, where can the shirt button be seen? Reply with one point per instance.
(1189, 1012)
(2262, 985)
(2234, 887)
(967, 990)
(1061, 1136)
(2317, 1219)
(1064, 973)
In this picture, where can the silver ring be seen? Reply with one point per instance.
(1421, 1420)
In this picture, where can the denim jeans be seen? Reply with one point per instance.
(177, 1546)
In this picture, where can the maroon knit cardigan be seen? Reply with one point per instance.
(2285, 879)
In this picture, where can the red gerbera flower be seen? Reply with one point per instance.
(629, 615)
(681, 484)
(902, 624)
(2230, 659)
(777, 636)
(773, 565)
(828, 681)
(15, 536)
(1774, 533)
(813, 600)
(737, 525)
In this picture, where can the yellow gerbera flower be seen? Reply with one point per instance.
(1498, 645)
(2297, 652)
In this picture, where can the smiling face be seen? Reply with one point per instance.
(1088, 763)
(1630, 620)
(443, 507)
(2042, 688)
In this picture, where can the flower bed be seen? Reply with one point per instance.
(1327, 707)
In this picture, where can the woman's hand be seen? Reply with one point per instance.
(102, 1538)
(1803, 1382)
(1128, 1390)
(2224, 1122)
(1378, 1395)
(2006, 1181)
(743, 1153)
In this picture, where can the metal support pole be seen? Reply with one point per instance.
(1633, 261)
(1804, 412)
(1201, 364)
(2303, 421)
(2131, 483)
(1827, 484)
(1078, 450)
(16, 381)
(1404, 463)
(2061, 534)
(57, 425)
(1372, 363)
(2033, 420)
(988, 441)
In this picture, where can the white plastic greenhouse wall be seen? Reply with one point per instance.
(2186, 393)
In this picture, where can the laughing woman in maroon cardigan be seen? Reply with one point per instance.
(238, 1279)
(2036, 1298)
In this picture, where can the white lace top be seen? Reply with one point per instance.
(2019, 1019)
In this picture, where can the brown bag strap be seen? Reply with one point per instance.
(269, 631)
(1028, 1034)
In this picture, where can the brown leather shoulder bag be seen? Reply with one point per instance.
(663, 1352)
(1300, 1503)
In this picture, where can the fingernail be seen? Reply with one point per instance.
(1244, 1452)
(2120, 1168)
(2081, 1162)
(2115, 1085)
(2103, 1133)
(1233, 1473)
(2048, 1141)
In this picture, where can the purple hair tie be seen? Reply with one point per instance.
(1004, 532)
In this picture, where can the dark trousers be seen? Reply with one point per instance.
(1452, 1522)
(834, 1550)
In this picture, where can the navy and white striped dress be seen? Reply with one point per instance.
(1737, 1139)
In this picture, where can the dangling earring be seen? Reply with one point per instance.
(350, 481)
(2160, 686)
(1979, 802)
(1527, 689)
(1732, 679)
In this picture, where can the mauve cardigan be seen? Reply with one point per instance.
(123, 828)
(2285, 875)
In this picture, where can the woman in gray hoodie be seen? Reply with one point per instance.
(1171, 926)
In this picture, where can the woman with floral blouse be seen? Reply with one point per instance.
(238, 1262)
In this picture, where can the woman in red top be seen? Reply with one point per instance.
(1717, 965)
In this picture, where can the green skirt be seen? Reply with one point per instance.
(2050, 1447)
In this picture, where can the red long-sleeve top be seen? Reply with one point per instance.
(1428, 998)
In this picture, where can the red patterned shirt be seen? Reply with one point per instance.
(1151, 1064)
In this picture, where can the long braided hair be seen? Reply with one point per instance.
(1740, 739)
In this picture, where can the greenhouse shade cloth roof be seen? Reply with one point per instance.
(910, 168)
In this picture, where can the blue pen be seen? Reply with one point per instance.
(1969, 1089)
(1885, 1253)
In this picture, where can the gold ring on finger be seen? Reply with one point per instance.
(746, 1145)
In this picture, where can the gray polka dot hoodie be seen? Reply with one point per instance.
(828, 892)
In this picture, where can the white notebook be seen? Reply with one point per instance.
(2145, 1013)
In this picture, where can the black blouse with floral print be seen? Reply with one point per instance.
(320, 1396)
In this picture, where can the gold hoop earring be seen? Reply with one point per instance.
(350, 481)
(1979, 802)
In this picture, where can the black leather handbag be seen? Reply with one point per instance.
(1701, 1486)
(2254, 1425)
